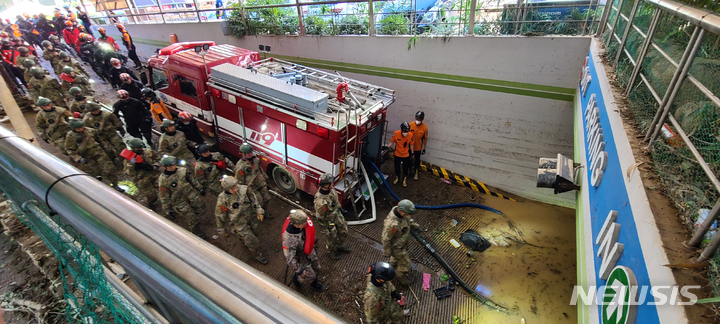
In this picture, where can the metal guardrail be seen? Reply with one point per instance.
(187, 279)
(450, 18)
(705, 21)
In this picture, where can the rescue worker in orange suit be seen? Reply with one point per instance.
(419, 131)
(403, 141)
(187, 124)
(127, 41)
(157, 107)
(137, 118)
(107, 39)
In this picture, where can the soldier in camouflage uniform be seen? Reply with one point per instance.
(250, 173)
(20, 60)
(381, 298)
(330, 218)
(304, 267)
(173, 142)
(210, 169)
(47, 87)
(52, 123)
(79, 103)
(107, 126)
(396, 236)
(71, 79)
(82, 144)
(237, 206)
(28, 65)
(66, 60)
(51, 55)
(144, 174)
(179, 194)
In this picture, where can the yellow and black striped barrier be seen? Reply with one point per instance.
(460, 179)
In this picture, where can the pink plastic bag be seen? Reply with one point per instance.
(426, 281)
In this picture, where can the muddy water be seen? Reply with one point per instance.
(534, 282)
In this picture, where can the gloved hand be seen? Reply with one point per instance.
(202, 192)
(171, 215)
(133, 160)
(82, 161)
(395, 295)
(300, 273)
(385, 147)
(423, 152)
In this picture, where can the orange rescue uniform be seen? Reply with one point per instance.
(402, 144)
(420, 133)
(159, 111)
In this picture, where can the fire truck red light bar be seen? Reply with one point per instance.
(322, 132)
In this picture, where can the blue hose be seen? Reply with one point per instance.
(432, 207)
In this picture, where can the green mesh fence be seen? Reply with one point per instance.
(696, 108)
(90, 298)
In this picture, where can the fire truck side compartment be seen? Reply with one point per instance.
(272, 87)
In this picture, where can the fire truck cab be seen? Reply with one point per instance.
(302, 122)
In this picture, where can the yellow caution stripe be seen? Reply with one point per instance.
(460, 179)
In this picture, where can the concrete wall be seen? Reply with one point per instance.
(493, 105)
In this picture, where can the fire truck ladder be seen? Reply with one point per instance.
(350, 164)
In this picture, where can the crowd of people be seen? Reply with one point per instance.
(175, 173)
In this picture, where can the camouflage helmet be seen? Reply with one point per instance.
(37, 72)
(74, 91)
(92, 106)
(228, 183)
(325, 179)
(29, 63)
(202, 148)
(46, 44)
(42, 102)
(167, 123)
(75, 123)
(54, 38)
(23, 50)
(64, 55)
(407, 207)
(136, 143)
(298, 217)
(246, 148)
(168, 160)
(68, 70)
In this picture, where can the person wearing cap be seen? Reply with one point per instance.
(330, 218)
(419, 130)
(250, 172)
(107, 126)
(82, 144)
(66, 60)
(132, 86)
(138, 121)
(51, 123)
(50, 53)
(144, 172)
(157, 107)
(404, 142)
(71, 79)
(187, 124)
(180, 194)
(381, 299)
(20, 59)
(173, 142)
(396, 237)
(210, 168)
(303, 266)
(238, 207)
(107, 39)
(128, 42)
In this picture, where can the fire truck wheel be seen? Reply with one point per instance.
(284, 179)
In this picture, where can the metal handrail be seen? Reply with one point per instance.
(706, 19)
(200, 282)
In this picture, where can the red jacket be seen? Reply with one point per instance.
(10, 55)
(71, 37)
(109, 40)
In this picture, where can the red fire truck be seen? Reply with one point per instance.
(301, 121)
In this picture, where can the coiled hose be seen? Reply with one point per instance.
(387, 186)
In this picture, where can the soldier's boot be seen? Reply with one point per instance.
(117, 187)
(260, 258)
(318, 286)
(296, 282)
(416, 174)
(405, 182)
(396, 179)
(344, 249)
(334, 255)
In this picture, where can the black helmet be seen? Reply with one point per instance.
(202, 148)
(420, 115)
(325, 179)
(382, 270)
(147, 92)
(405, 127)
